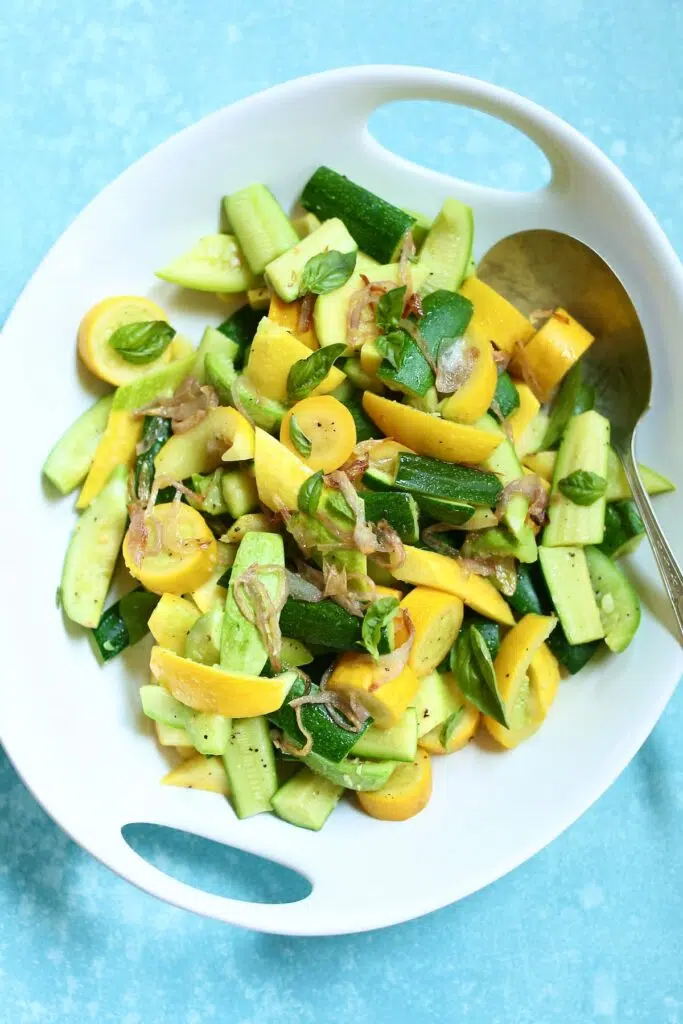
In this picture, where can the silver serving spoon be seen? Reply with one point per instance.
(542, 269)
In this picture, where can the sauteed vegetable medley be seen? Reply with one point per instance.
(373, 512)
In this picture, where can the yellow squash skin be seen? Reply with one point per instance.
(429, 569)
(552, 352)
(474, 397)
(209, 688)
(406, 793)
(116, 448)
(430, 435)
(464, 731)
(437, 617)
(288, 315)
(224, 435)
(528, 676)
(279, 472)
(356, 674)
(330, 428)
(172, 620)
(186, 560)
(199, 772)
(97, 327)
(528, 406)
(494, 318)
(273, 353)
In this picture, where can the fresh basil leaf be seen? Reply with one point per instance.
(142, 342)
(450, 725)
(379, 614)
(472, 666)
(301, 442)
(135, 609)
(393, 347)
(326, 272)
(583, 487)
(390, 308)
(306, 374)
(336, 502)
(310, 492)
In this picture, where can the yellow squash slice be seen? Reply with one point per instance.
(187, 555)
(429, 569)
(210, 688)
(406, 793)
(97, 327)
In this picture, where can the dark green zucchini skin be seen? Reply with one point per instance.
(124, 623)
(506, 397)
(419, 474)
(324, 624)
(240, 327)
(531, 596)
(378, 227)
(398, 508)
(329, 739)
(156, 431)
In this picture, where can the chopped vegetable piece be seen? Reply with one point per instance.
(99, 324)
(329, 427)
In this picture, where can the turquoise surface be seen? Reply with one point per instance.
(590, 929)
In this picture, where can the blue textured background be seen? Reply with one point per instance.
(590, 929)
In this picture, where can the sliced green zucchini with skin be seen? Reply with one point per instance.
(209, 733)
(93, 550)
(266, 413)
(531, 596)
(455, 513)
(242, 647)
(500, 542)
(396, 744)
(214, 264)
(262, 227)
(285, 274)
(447, 249)
(306, 800)
(215, 341)
(352, 773)
(330, 740)
(68, 463)
(240, 495)
(506, 397)
(617, 600)
(124, 623)
(249, 761)
(505, 463)
(324, 623)
(624, 529)
(434, 702)
(400, 510)
(204, 639)
(240, 327)
(618, 487)
(419, 474)
(378, 227)
(566, 574)
(159, 705)
(585, 446)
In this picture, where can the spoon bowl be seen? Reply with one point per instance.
(541, 269)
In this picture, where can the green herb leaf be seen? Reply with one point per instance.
(393, 347)
(306, 374)
(472, 666)
(310, 492)
(337, 503)
(327, 271)
(379, 614)
(390, 308)
(135, 609)
(583, 487)
(143, 342)
(450, 725)
(303, 444)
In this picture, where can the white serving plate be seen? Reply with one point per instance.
(73, 730)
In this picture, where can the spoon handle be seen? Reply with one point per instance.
(669, 568)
